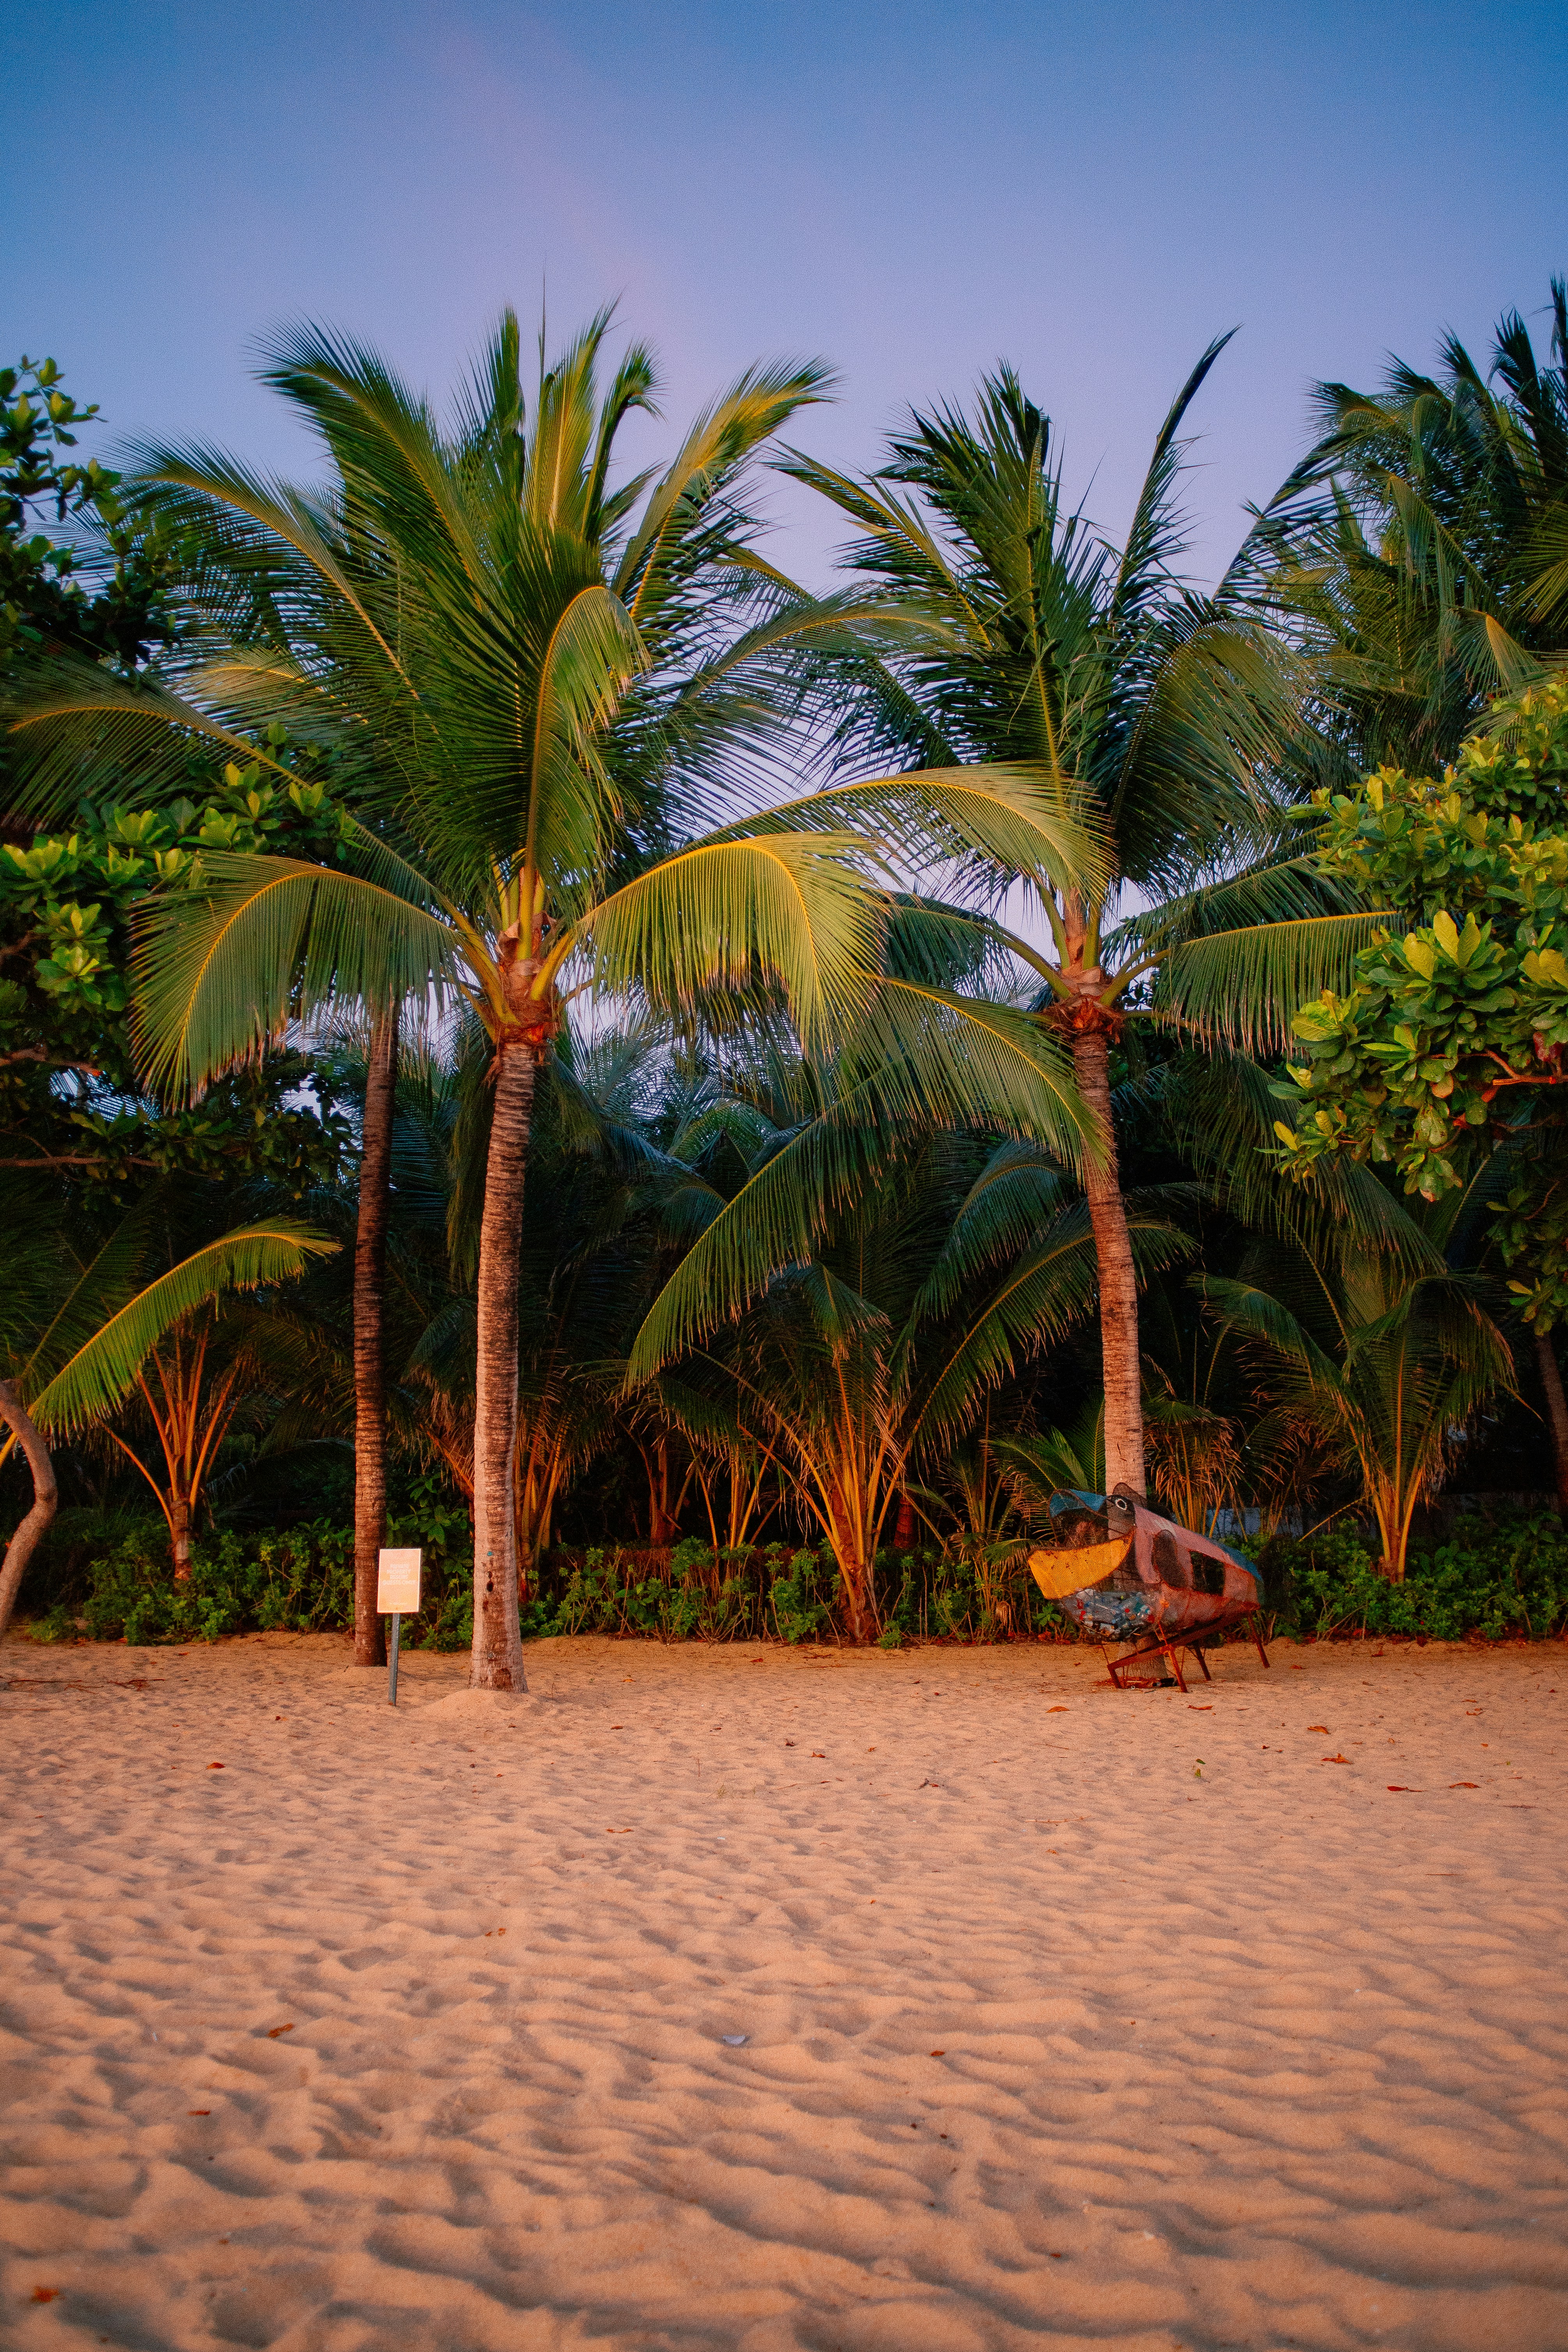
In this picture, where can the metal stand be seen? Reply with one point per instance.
(392, 1661)
(1170, 1651)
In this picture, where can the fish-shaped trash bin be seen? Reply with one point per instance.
(1124, 1573)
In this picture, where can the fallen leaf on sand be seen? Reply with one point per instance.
(1318, 1726)
(215, 1768)
(1196, 1709)
(1398, 1788)
(1333, 1759)
(1056, 1710)
(1464, 1784)
(273, 2031)
(46, 2293)
(939, 2053)
(198, 2111)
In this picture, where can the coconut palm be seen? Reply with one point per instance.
(540, 692)
(1031, 639)
(1419, 552)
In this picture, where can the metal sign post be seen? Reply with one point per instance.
(397, 1595)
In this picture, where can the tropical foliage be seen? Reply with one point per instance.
(708, 1103)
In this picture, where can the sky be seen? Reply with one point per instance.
(911, 192)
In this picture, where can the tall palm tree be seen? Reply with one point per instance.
(546, 698)
(1140, 705)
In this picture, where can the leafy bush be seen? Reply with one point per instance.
(799, 1592)
(300, 1579)
(1496, 1580)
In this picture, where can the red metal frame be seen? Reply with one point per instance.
(1169, 1646)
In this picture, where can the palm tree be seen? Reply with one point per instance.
(542, 692)
(1140, 705)
(1419, 552)
(78, 1335)
(1385, 1367)
(929, 1264)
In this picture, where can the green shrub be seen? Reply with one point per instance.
(1499, 1579)
(299, 1579)
(797, 1594)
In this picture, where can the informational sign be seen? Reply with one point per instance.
(397, 1583)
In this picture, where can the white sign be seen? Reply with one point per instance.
(397, 1583)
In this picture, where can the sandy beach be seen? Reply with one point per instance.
(424, 2029)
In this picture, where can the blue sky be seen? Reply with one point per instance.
(908, 190)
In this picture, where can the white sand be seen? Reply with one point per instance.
(1272, 2059)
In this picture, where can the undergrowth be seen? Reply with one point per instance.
(1491, 1581)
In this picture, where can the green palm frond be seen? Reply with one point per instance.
(594, 652)
(101, 1372)
(80, 728)
(1003, 821)
(1245, 986)
(739, 915)
(920, 1060)
(1258, 1314)
(1053, 1286)
(719, 441)
(223, 967)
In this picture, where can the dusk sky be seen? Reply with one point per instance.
(910, 192)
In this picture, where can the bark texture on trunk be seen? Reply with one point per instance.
(904, 1525)
(497, 1661)
(856, 1573)
(1118, 1278)
(180, 1534)
(46, 1494)
(1556, 1413)
(369, 1362)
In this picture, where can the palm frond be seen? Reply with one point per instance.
(101, 1372)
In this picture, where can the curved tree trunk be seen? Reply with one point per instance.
(46, 1494)
(497, 1661)
(1556, 1414)
(1113, 1258)
(369, 1362)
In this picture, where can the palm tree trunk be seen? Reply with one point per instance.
(46, 1494)
(497, 1661)
(180, 1534)
(856, 1571)
(1114, 1259)
(1556, 1413)
(370, 1360)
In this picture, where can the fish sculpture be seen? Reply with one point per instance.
(1123, 1573)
